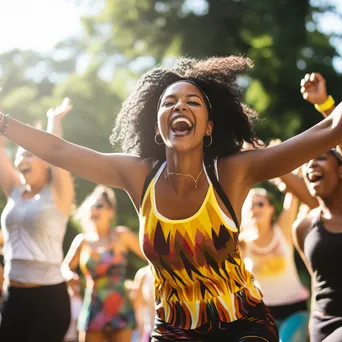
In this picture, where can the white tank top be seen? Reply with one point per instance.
(275, 271)
(33, 231)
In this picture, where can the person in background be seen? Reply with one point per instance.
(39, 199)
(76, 305)
(101, 252)
(318, 236)
(144, 305)
(268, 252)
(182, 132)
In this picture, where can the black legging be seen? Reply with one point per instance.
(325, 328)
(257, 326)
(36, 314)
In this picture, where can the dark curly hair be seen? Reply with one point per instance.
(134, 129)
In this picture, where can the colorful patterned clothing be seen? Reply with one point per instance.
(257, 326)
(196, 262)
(106, 305)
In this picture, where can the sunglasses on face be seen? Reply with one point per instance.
(98, 206)
(259, 204)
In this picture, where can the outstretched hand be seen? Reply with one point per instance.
(313, 88)
(61, 110)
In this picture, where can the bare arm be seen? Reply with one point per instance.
(288, 215)
(138, 301)
(103, 168)
(131, 241)
(271, 162)
(61, 182)
(296, 186)
(9, 178)
(72, 259)
(314, 90)
(300, 230)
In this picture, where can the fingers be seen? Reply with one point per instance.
(311, 79)
(274, 142)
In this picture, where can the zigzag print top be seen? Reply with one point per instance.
(196, 263)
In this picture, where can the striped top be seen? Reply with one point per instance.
(196, 263)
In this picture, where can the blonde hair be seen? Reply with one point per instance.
(259, 192)
(106, 193)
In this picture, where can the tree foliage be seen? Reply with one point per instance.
(124, 38)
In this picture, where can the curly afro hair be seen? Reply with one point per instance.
(134, 129)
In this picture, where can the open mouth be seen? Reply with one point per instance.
(180, 125)
(314, 176)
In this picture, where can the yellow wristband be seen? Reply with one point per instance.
(323, 107)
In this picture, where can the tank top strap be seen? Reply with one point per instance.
(149, 178)
(210, 168)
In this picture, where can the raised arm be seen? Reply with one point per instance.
(72, 259)
(111, 169)
(271, 162)
(9, 177)
(288, 215)
(314, 90)
(61, 182)
(296, 186)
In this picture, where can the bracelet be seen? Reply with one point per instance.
(3, 122)
(326, 105)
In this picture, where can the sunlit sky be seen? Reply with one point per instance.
(37, 24)
(40, 24)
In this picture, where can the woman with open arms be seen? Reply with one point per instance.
(39, 199)
(187, 126)
(101, 252)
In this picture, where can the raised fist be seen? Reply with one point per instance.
(313, 88)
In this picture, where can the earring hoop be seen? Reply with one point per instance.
(211, 140)
(156, 140)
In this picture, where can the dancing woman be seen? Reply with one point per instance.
(39, 199)
(186, 126)
(269, 255)
(101, 253)
(318, 236)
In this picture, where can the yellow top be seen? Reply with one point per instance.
(196, 263)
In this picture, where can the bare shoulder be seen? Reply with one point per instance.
(234, 159)
(302, 226)
(122, 230)
(233, 172)
(136, 170)
(139, 165)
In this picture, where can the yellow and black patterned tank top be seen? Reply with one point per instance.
(196, 262)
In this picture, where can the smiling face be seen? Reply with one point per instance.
(322, 175)
(33, 170)
(100, 211)
(183, 117)
(261, 209)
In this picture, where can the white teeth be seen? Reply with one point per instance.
(314, 175)
(188, 122)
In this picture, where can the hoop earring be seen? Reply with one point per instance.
(211, 140)
(156, 140)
